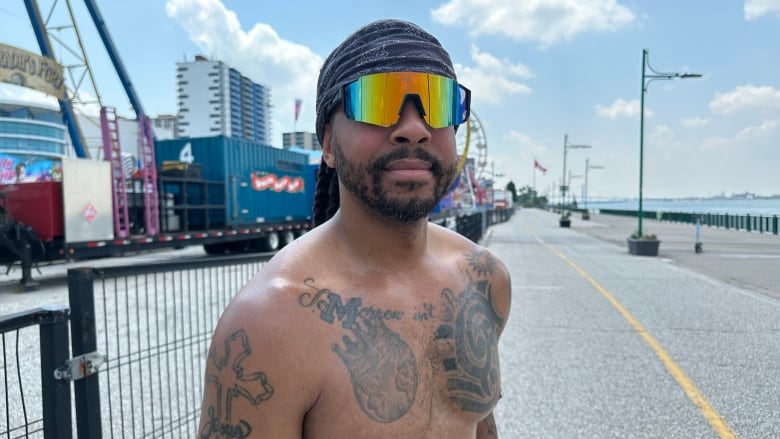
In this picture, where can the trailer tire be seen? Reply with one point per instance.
(270, 242)
(215, 249)
(286, 237)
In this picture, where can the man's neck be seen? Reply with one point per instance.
(379, 240)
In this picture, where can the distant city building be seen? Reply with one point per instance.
(32, 127)
(216, 99)
(165, 123)
(301, 139)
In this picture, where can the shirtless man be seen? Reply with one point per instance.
(377, 323)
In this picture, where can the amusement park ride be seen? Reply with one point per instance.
(95, 209)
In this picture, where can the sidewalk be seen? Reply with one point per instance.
(745, 259)
(603, 344)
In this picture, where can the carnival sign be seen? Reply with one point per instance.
(27, 69)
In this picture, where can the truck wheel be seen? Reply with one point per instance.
(215, 249)
(287, 237)
(271, 242)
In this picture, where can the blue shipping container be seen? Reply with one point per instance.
(262, 184)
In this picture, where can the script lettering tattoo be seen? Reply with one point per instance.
(382, 369)
(332, 308)
(381, 366)
(425, 314)
(231, 381)
(470, 325)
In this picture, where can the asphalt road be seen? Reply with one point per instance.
(603, 344)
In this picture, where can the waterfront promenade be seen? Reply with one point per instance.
(603, 344)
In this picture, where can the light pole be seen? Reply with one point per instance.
(564, 186)
(571, 177)
(588, 167)
(646, 80)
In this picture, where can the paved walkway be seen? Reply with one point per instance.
(750, 260)
(603, 344)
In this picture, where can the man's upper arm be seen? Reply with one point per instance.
(248, 388)
(486, 429)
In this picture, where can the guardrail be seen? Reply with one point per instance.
(769, 224)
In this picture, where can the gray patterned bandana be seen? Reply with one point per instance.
(378, 47)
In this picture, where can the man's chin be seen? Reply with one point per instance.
(406, 211)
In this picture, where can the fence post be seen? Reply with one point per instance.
(53, 327)
(84, 339)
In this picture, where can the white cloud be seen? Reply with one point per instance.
(289, 69)
(492, 79)
(757, 132)
(545, 21)
(695, 122)
(746, 97)
(756, 8)
(621, 108)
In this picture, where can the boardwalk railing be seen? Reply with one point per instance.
(749, 223)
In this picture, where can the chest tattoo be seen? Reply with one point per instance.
(470, 327)
(381, 365)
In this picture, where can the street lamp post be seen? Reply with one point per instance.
(646, 80)
(588, 167)
(571, 177)
(564, 186)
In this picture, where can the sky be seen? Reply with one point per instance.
(540, 71)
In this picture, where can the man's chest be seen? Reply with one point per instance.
(401, 358)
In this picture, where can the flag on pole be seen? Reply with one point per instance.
(540, 167)
(298, 103)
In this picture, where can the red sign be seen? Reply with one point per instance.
(90, 212)
(277, 184)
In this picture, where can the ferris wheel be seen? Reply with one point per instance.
(471, 143)
(472, 146)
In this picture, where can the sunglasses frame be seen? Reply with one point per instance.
(414, 97)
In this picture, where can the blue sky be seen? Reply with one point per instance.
(538, 69)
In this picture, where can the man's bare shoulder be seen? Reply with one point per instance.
(259, 382)
(478, 262)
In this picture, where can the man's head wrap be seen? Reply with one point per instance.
(378, 47)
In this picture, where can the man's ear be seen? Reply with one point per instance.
(327, 146)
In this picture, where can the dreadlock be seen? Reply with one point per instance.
(326, 194)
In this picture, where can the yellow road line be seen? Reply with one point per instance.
(713, 417)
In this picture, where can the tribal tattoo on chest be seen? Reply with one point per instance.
(382, 366)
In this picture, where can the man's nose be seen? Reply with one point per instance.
(411, 127)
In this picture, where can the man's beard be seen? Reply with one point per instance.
(365, 182)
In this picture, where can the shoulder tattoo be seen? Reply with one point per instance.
(470, 326)
(232, 383)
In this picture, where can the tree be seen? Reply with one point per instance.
(513, 190)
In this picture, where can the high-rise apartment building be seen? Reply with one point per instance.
(216, 99)
(301, 139)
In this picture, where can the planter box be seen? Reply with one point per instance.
(564, 222)
(643, 247)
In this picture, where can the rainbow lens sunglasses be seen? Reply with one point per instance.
(379, 98)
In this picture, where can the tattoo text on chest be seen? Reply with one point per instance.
(381, 365)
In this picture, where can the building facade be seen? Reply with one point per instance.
(301, 139)
(216, 99)
(32, 128)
